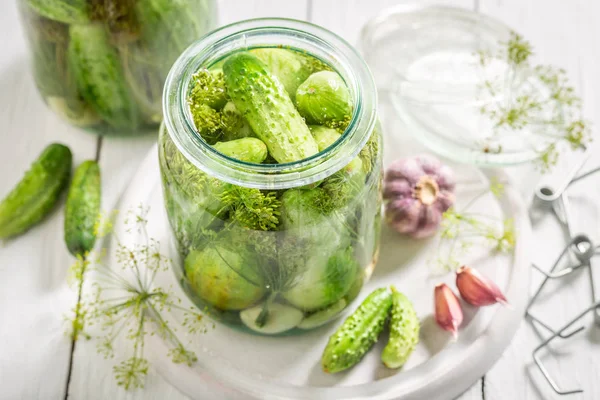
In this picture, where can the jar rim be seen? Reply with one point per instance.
(304, 36)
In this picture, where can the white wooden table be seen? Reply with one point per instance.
(34, 297)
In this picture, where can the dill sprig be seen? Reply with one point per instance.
(126, 303)
(461, 230)
(549, 105)
(251, 208)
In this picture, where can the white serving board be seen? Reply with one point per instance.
(237, 365)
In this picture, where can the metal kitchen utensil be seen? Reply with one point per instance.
(584, 250)
(547, 194)
(583, 247)
(544, 344)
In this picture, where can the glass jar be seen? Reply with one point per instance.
(101, 64)
(319, 237)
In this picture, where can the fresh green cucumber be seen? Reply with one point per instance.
(324, 97)
(250, 150)
(97, 70)
(261, 98)
(37, 192)
(83, 209)
(290, 67)
(66, 11)
(358, 333)
(404, 332)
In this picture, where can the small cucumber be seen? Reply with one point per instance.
(250, 150)
(290, 67)
(324, 97)
(37, 192)
(82, 209)
(97, 70)
(358, 333)
(261, 98)
(326, 280)
(66, 11)
(281, 318)
(404, 332)
(323, 316)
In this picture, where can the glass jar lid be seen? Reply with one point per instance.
(462, 84)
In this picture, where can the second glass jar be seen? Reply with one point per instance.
(101, 64)
(272, 247)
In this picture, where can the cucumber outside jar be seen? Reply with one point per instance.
(101, 64)
(270, 158)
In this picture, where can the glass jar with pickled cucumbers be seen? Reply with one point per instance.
(270, 160)
(102, 64)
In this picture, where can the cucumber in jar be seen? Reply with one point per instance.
(100, 80)
(225, 278)
(326, 280)
(169, 26)
(67, 11)
(262, 99)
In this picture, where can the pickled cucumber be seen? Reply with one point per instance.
(261, 98)
(324, 97)
(100, 80)
(67, 11)
(224, 278)
(250, 150)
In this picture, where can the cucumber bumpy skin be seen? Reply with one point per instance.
(358, 333)
(262, 99)
(290, 67)
(83, 209)
(37, 193)
(404, 332)
(97, 70)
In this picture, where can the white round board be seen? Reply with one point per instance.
(233, 364)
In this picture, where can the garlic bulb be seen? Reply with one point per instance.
(417, 192)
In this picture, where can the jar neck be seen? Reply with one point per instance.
(270, 32)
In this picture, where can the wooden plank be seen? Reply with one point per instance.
(562, 34)
(33, 294)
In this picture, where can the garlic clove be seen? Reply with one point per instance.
(448, 313)
(476, 289)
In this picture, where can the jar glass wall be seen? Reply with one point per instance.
(273, 247)
(101, 65)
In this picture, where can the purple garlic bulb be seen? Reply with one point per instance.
(417, 191)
